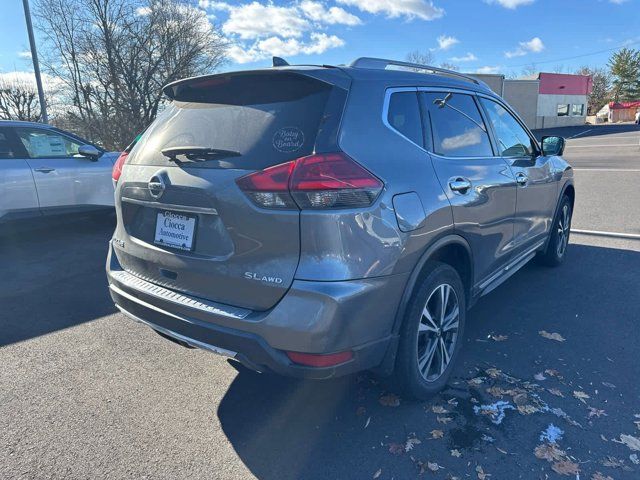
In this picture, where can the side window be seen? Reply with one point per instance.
(6, 149)
(577, 109)
(457, 126)
(563, 109)
(404, 115)
(42, 143)
(513, 140)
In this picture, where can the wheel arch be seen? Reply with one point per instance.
(452, 250)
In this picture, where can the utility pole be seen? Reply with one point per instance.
(36, 65)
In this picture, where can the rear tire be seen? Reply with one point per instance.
(556, 250)
(430, 337)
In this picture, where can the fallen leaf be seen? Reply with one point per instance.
(527, 409)
(612, 462)
(444, 420)
(487, 438)
(453, 401)
(604, 439)
(456, 453)
(493, 372)
(580, 396)
(565, 467)
(551, 336)
(555, 391)
(481, 474)
(539, 377)
(499, 338)
(502, 451)
(552, 373)
(377, 474)
(594, 412)
(630, 441)
(634, 459)
(549, 452)
(476, 381)
(439, 409)
(411, 441)
(600, 476)
(496, 391)
(396, 448)
(389, 400)
(437, 434)
(431, 466)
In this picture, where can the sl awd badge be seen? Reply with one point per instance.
(262, 278)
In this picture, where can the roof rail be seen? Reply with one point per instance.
(382, 64)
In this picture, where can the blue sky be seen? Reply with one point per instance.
(476, 35)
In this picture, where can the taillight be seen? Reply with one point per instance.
(117, 167)
(320, 360)
(326, 180)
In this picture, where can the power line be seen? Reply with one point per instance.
(575, 56)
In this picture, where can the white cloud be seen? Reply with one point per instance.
(24, 54)
(142, 11)
(410, 9)
(317, 12)
(446, 42)
(513, 4)
(487, 69)
(618, 2)
(318, 43)
(255, 20)
(534, 45)
(469, 57)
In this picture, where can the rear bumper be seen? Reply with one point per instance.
(313, 317)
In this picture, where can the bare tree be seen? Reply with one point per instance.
(450, 66)
(530, 70)
(601, 87)
(422, 57)
(114, 56)
(18, 100)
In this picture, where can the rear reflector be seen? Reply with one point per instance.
(326, 180)
(117, 167)
(317, 360)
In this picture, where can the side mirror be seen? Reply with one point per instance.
(553, 145)
(90, 152)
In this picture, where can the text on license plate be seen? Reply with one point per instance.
(175, 230)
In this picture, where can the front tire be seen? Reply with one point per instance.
(431, 333)
(556, 250)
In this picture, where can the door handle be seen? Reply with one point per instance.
(44, 169)
(521, 179)
(460, 185)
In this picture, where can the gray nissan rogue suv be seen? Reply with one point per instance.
(320, 220)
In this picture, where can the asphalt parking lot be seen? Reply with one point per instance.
(87, 393)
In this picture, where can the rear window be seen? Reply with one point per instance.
(266, 119)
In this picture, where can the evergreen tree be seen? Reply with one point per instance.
(625, 69)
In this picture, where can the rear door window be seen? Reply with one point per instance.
(261, 119)
(6, 148)
(404, 116)
(456, 124)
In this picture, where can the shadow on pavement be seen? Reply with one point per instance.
(589, 130)
(53, 275)
(290, 429)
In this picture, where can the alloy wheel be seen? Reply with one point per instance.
(438, 332)
(564, 224)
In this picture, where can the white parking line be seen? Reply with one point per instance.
(633, 236)
(607, 169)
(581, 133)
(605, 145)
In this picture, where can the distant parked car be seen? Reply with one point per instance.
(45, 170)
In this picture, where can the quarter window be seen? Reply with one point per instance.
(513, 140)
(404, 115)
(456, 124)
(41, 143)
(6, 150)
(563, 109)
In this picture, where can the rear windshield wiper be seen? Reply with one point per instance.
(197, 154)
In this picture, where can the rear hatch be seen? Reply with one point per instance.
(184, 222)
